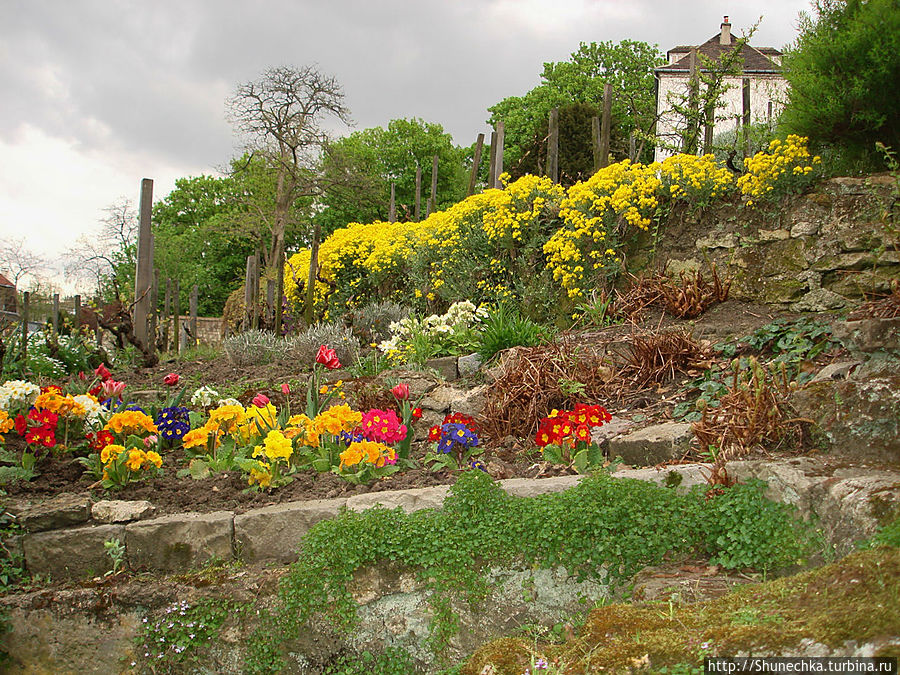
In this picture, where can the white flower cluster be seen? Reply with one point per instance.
(93, 411)
(204, 396)
(460, 315)
(18, 393)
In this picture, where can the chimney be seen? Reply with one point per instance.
(725, 35)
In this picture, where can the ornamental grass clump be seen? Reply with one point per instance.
(304, 346)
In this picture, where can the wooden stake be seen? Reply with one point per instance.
(195, 297)
(605, 125)
(432, 201)
(553, 147)
(498, 160)
(476, 165)
(144, 268)
(595, 142)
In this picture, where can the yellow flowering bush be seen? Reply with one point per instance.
(788, 166)
(531, 238)
(698, 180)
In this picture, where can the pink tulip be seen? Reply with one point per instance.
(401, 392)
(328, 358)
(111, 388)
(260, 400)
(150, 441)
(286, 389)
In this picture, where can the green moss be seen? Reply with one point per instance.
(857, 599)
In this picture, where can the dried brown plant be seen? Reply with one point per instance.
(694, 296)
(753, 414)
(883, 308)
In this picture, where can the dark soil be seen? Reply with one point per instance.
(505, 459)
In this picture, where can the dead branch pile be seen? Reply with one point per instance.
(883, 308)
(753, 414)
(655, 357)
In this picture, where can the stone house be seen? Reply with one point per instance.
(762, 74)
(8, 304)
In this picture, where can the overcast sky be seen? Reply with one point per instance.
(98, 94)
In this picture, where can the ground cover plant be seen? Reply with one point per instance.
(602, 528)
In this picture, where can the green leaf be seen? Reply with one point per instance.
(199, 469)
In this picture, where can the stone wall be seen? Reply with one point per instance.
(814, 252)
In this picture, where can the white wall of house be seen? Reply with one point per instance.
(768, 93)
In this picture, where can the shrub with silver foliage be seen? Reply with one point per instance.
(255, 346)
(305, 346)
(372, 322)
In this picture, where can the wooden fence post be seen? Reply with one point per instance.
(595, 142)
(498, 159)
(605, 125)
(77, 312)
(248, 295)
(553, 147)
(26, 299)
(432, 200)
(745, 90)
(418, 191)
(154, 309)
(144, 269)
(54, 318)
(476, 164)
(492, 166)
(176, 322)
(392, 209)
(195, 301)
(270, 302)
(167, 305)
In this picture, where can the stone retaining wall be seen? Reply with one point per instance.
(814, 252)
(65, 538)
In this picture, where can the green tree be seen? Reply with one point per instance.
(843, 72)
(196, 241)
(391, 155)
(627, 66)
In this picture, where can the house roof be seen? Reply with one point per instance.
(6, 282)
(756, 59)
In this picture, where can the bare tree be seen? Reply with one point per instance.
(282, 116)
(17, 261)
(99, 258)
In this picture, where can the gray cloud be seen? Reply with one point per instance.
(153, 77)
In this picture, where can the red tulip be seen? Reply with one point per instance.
(171, 379)
(102, 372)
(328, 358)
(286, 389)
(401, 392)
(260, 400)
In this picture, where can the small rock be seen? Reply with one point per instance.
(652, 445)
(445, 366)
(121, 511)
(819, 300)
(836, 371)
(615, 427)
(468, 365)
(61, 511)
(804, 228)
